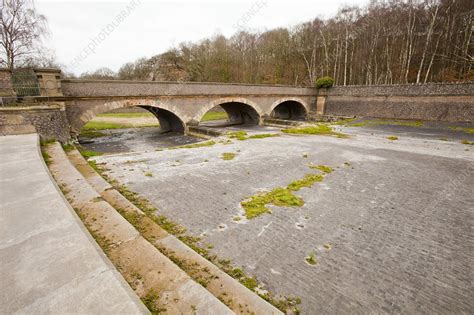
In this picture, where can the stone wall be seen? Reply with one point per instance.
(6, 88)
(442, 102)
(49, 121)
(118, 88)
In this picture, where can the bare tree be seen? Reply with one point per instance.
(21, 29)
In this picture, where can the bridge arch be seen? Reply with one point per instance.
(289, 108)
(170, 118)
(240, 110)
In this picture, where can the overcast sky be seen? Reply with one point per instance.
(86, 35)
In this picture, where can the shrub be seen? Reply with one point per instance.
(324, 82)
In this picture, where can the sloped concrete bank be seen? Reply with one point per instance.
(49, 264)
(236, 296)
(162, 285)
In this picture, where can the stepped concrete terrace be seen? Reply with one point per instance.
(48, 261)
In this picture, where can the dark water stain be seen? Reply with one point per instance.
(135, 139)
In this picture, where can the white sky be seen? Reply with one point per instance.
(155, 26)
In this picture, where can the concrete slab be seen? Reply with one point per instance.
(48, 261)
(391, 227)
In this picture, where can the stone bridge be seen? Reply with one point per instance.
(180, 105)
(63, 107)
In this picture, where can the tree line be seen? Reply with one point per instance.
(384, 42)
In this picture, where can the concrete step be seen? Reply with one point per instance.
(204, 132)
(281, 122)
(239, 298)
(49, 264)
(153, 276)
(20, 129)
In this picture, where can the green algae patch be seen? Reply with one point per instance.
(463, 129)
(392, 138)
(282, 197)
(467, 142)
(250, 282)
(306, 181)
(89, 153)
(68, 147)
(318, 129)
(263, 135)
(242, 135)
(215, 116)
(386, 122)
(239, 135)
(311, 259)
(227, 156)
(322, 168)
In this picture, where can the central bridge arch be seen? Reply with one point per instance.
(239, 110)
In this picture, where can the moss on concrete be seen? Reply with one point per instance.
(282, 197)
(227, 156)
(322, 168)
(311, 259)
(317, 129)
(307, 181)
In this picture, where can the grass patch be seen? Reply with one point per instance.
(151, 302)
(239, 135)
(387, 122)
(68, 147)
(306, 181)
(257, 205)
(215, 116)
(44, 143)
(467, 142)
(126, 115)
(318, 129)
(89, 153)
(194, 145)
(399, 123)
(343, 122)
(393, 138)
(227, 156)
(322, 168)
(242, 135)
(46, 157)
(311, 259)
(249, 282)
(282, 196)
(263, 135)
(91, 134)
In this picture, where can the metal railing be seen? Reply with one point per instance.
(25, 83)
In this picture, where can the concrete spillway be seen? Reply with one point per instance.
(48, 261)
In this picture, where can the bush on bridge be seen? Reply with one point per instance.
(324, 82)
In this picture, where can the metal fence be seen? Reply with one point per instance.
(25, 83)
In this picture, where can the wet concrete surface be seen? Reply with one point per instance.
(135, 139)
(390, 228)
(444, 131)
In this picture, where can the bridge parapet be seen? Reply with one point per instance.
(118, 88)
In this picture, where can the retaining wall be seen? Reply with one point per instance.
(49, 121)
(442, 102)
